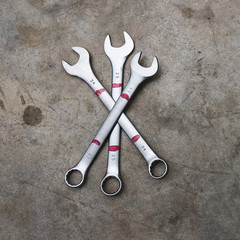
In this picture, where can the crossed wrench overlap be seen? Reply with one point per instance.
(115, 105)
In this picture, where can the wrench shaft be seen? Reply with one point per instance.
(114, 139)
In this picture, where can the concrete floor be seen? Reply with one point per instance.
(189, 114)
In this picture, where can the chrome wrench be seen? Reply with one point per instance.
(117, 57)
(138, 75)
(83, 70)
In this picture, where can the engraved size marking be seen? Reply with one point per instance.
(130, 90)
(143, 148)
(113, 157)
(117, 75)
(92, 81)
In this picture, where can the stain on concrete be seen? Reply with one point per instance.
(89, 105)
(37, 4)
(2, 104)
(208, 13)
(56, 9)
(22, 100)
(32, 115)
(230, 103)
(31, 36)
(187, 12)
(173, 220)
(236, 151)
(15, 211)
(1, 91)
(199, 68)
(190, 13)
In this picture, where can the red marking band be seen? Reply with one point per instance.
(135, 138)
(113, 148)
(124, 95)
(100, 91)
(96, 142)
(116, 85)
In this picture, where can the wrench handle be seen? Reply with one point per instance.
(117, 76)
(114, 139)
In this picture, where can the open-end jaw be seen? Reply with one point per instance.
(145, 72)
(82, 68)
(119, 52)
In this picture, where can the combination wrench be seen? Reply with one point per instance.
(117, 57)
(83, 70)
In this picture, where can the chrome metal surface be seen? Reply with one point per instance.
(117, 57)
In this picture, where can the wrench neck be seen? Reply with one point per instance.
(117, 71)
(131, 86)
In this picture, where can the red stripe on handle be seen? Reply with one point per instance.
(135, 138)
(116, 85)
(100, 91)
(96, 142)
(124, 95)
(113, 148)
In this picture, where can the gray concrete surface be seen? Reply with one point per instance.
(189, 114)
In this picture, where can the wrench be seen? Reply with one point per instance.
(117, 57)
(83, 70)
(138, 75)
